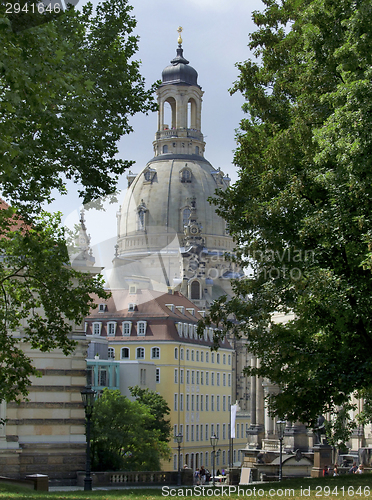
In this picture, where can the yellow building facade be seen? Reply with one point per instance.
(160, 330)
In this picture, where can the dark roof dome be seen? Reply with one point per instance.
(179, 72)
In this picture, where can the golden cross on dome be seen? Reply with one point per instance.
(179, 35)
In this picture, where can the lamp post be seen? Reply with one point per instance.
(280, 427)
(88, 395)
(179, 438)
(214, 441)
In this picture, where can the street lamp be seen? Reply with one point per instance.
(214, 441)
(179, 438)
(88, 395)
(280, 427)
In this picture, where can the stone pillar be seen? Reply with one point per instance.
(322, 457)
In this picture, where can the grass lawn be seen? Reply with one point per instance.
(351, 487)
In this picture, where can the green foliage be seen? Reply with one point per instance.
(158, 407)
(67, 91)
(125, 435)
(41, 297)
(300, 212)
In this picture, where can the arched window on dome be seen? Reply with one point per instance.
(185, 175)
(195, 290)
(165, 148)
(191, 114)
(185, 216)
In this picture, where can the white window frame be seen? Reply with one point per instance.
(123, 328)
(109, 325)
(141, 325)
(97, 325)
(157, 375)
(152, 352)
(121, 352)
(140, 350)
(111, 351)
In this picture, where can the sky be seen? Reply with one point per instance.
(215, 37)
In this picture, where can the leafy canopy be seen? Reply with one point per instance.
(300, 212)
(125, 434)
(67, 91)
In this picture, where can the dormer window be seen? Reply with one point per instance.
(126, 328)
(102, 308)
(141, 328)
(111, 328)
(131, 307)
(149, 174)
(96, 328)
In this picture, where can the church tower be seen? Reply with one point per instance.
(169, 235)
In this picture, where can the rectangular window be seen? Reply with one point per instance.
(181, 353)
(223, 403)
(126, 328)
(237, 431)
(229, 380)
(223, 431)
(201, 402)
(176, 353)
(201, 356)
(187, 376)
(187, 402)
(197, 402)
(175, 402)
(111, 329)
(212, 403)
(192, 402)
(181, 376)
(212, 430)
(224, 379)
(141, 327)
(96, 328)
(197, 433)
(206, 402)
(201, 432)
(192, 377)
(176, 376)
(197, 377)
(174, 432)
(206, 434)
(192, 432)
(181, 402)
(218, 403)
(218, 431)
(206, 378)
(187, 433)
(201, 378)
(212, 378)
(218, 378)
(157, 376)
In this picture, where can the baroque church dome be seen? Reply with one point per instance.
(168, 232)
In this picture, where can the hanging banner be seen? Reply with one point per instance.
(233, 418)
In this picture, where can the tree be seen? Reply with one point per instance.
(67, 90)
(300, 212)
(125, 435)
(158, 407)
